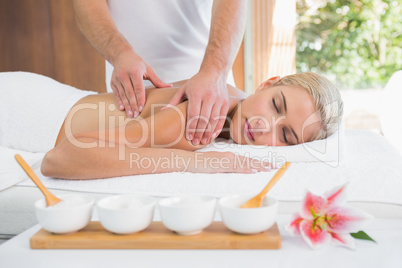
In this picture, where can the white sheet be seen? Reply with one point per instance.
(329, 150)
(371, 165)
(40, 103)
(10, 172)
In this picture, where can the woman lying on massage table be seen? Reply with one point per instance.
(99, 141)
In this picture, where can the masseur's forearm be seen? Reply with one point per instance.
(96, 23)
(68, 161)
(227, 29)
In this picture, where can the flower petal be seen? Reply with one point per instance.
(346, 219)
(294, 226)
(343, 239)
(313, 235)
(313, 205)
(337, 195)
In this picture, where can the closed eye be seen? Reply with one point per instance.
(284, 135)
(276, 107)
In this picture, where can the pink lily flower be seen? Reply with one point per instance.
(325, 219)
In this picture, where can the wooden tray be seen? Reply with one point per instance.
(156, 236)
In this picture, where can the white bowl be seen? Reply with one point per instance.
(187, 215)
(247, 220)
(68, 216)
(126, 214)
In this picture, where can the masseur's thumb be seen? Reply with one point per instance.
(175, 100)
(156, 81)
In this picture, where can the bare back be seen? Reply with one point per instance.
(100, 112)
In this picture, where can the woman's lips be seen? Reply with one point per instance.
(247, 128)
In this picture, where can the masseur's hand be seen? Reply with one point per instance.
(208, 104)
(127, 82)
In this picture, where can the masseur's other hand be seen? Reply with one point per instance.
(127, 82)
(208, 104)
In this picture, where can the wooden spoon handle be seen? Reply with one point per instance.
(50, 198)
(274, 179)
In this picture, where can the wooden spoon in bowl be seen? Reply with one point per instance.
(50, 198)
(256, 201)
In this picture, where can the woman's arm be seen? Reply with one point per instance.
(68, 161)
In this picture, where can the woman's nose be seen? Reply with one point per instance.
(262, 126)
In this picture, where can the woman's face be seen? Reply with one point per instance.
(275, 116)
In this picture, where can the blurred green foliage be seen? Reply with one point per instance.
(357, 44)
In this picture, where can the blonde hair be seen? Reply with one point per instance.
(326, 96)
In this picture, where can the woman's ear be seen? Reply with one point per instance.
(268, 83)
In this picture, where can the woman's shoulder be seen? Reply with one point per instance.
(235, 92)
(169, 92)
(160, 95)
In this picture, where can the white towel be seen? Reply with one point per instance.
(40, 104)
(10, 172)
(328, 150)
(371, 164)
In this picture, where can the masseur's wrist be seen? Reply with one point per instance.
(118, 48)
(215, 64)
(214, 74)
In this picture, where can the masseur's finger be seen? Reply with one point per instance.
(139, 94)
(220, 121)
(155, 80)
(202, 127)
(130, 97)
(193, 115)
(123, 97)
(176, 99)
(210, 124)
(217, 120)
(203, 121)
(117, 97)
